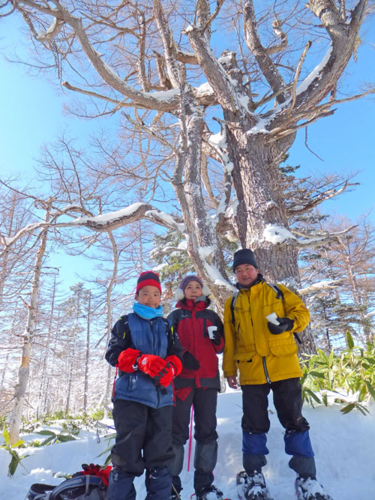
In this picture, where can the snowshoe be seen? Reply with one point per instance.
(310, 489)
(210, 493)
(252, 487)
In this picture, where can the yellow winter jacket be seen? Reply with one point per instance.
(250, 347)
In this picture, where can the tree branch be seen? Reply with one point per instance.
(106, 222)
(265, 63)
(310, 240)
(215, 73)
(168, 43)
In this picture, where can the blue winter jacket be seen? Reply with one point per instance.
(150, 337)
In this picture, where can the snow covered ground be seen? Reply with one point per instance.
(344, 446)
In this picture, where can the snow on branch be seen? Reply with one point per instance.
(214, 72)
(321, 285)
(165, 220)
(52, 31)
(217, 278)
(318, 239)
(276, 234)
(105, 222)
(316, 73)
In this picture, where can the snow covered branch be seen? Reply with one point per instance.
(320, 286)
(52, 31)
(106, 222)
(214, 72)
(317, 239)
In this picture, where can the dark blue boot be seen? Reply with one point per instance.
(121, 485)
(158, 483)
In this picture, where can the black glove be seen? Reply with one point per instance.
(190, 362)
(216, 337)
(285, 325)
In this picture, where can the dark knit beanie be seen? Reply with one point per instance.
(148, 278)
(188, 279)
(244, 256)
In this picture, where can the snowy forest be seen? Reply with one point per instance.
(207, 98)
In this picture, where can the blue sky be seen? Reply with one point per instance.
(32, 115)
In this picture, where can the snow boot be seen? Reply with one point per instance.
(120, 485)
(252, 487)
(310, 489)
(209, 493)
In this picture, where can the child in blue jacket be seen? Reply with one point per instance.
(147, 353)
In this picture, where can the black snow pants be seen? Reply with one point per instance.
(205, 435)
(143, 441)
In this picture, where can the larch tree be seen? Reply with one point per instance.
(165, 67)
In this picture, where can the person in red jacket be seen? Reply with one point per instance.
(200, 331)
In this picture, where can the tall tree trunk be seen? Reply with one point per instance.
(5, 255)
(261, 215)
(72, 357)
(86, 385)
(28, 336)
(43, 378)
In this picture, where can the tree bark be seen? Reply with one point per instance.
(28, 335)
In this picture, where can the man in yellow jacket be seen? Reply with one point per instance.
(264, 351)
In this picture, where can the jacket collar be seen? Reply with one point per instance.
(198, 305)
(259, 279)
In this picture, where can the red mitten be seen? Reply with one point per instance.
(174, 368)
(96, 470)
(127, 359)
(168, 377)
(176, 362)
(104, 474)
(152, 365)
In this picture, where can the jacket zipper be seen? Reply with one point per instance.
(157, 386)
(265, 370)
(263, 358)
(197, 383)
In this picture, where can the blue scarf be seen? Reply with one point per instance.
(146, 312)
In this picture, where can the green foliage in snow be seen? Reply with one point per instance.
(352, 372)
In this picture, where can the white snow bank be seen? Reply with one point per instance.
(343, 445)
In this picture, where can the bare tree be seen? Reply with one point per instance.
(339, 283)
(157, 60)
(28, 336)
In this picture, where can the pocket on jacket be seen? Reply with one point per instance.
(283, 347)
(245, 353)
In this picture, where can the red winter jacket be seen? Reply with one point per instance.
(191, 320)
